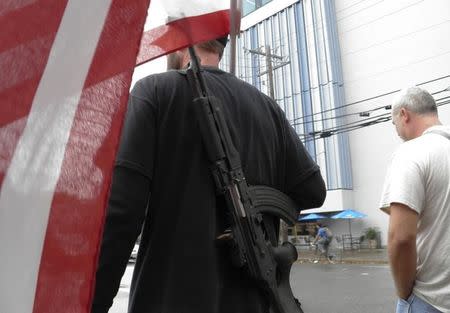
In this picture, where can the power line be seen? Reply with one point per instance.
(393, 39)
(348, 7)
(362, 113)
(351, 124)
(367, 120)
(339, 107)
(354, 126)
(316, 26)
(386, 15)
(368, 99)
(358, 11)
(398, 67)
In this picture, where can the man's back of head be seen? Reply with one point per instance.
(416, 100)
(208, 52)
(413, 111)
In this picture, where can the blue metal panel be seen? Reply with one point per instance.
(288, 68)
(327, 103)
(255, 58)
(279, 79)
(285, 75)
(302, 55)
(336, 72)
(324, 105)
(290, 31)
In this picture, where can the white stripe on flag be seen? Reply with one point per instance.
(30, 182)
(161, 12)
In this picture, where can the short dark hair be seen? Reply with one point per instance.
(213, 46)
(223, 40)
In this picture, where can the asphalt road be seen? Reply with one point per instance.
(323, 288)
(342, 288)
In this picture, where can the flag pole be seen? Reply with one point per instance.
(235, 27)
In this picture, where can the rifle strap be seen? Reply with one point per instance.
(271, 203)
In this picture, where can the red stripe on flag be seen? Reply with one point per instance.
(30, 22)
(23, 67)
(182, 33)
(22, 60)
(11, 5)
(69, 259)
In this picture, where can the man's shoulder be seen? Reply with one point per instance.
(216, 79)
(160, 78)
(410, 149)
(156, 83)
(420, 147)
(252, 89)
(257, 95)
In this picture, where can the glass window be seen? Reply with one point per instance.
(248, 6)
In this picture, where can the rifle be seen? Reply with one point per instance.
(249, 206)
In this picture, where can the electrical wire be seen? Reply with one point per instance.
(350, 124)
(361, 113)
(353, 126)
(386, 15)
(349, 6)
(370, 98)
(369, 120)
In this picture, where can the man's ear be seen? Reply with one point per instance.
(405, 114)
(185, 57)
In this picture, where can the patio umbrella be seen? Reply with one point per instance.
(349, 215)
(312, 216)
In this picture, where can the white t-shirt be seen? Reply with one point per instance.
(419, 177)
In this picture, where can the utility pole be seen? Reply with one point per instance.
(283, 233)
(269, 57)
(270, 71)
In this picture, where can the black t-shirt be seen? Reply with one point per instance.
(162, 182)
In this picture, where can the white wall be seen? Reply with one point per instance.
(386, 45)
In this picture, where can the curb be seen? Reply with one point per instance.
(343, 261)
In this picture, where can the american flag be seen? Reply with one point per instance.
(66, 68)
(175, 24)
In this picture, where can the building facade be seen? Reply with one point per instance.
(333, 66)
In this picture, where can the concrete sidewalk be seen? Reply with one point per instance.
(361, 256)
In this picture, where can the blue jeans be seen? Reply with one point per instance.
(415, 305)
(323, 244)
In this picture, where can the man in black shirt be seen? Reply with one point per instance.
(162, 185)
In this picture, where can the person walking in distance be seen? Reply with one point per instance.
(323, 240)
(416, 195)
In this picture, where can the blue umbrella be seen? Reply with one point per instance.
(349, 214)
(312, 216)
